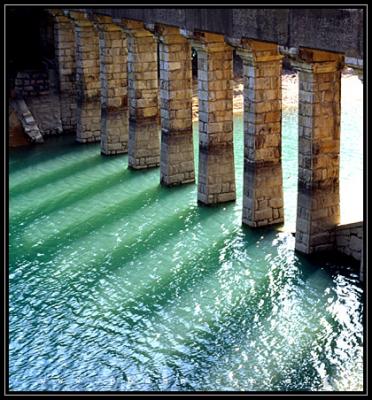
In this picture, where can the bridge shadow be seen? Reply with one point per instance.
(330, 265)
(234, 322)
(74, 232)
(27, 216)
(129, 250)
(55, 175)
(184, 277)
(20, 157)
(193, 271)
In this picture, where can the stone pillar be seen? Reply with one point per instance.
(177, 149)
(64, 37)
(144, 124)
(262, 187)
(216, 181)
(87, 79)
(318, 204)
(114, 83)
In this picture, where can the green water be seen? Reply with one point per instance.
(117, 283)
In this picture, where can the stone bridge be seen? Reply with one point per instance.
(330, 29)
(125, 75)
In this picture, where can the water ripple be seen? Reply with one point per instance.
(119, 284)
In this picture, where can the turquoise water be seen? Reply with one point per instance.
(117, 283)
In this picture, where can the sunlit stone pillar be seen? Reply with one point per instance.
(87, 79)
(64, 36)
(262, 187)
(177, 150)
(144, 124)
(318, 204)
(216, 180)
(114, 83)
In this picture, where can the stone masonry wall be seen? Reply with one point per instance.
(64, 36)
(263, 189)
(144, 121)
(216, 183)
(23, 128)
(31, 83)
(37, 89)
(87, 79)
(349, 239)
(177, 149)
(318, 206)
(114, 84)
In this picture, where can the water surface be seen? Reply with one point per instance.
(117, 283)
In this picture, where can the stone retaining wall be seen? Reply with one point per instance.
(349, 239)
(22, 120)
(38, 89)
(31, 83)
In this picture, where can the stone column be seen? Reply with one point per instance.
(114, 83)
(177, 149)
(144, 124)
(87, 79)
(262, 188)
(216, 181)
(318, 204)
(64, 37)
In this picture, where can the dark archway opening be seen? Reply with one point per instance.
(29, 39)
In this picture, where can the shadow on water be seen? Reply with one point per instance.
(128, 251)
(193, 270)
(329, 264)
(232, 326)
(74, 232)
(233, 323)
(28, 216)
(19, 158)
(53, 176)
(237, 320)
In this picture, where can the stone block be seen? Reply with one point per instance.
(356, 243)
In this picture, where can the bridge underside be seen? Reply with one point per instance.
(331, 29)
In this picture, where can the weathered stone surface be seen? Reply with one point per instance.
(262, 188)
(64, 36)
(87, 79)
(216, 182)
(144, 124)
(177, 150)
(38, 88)
(143, 145)
(318, 205)
(331, 29)
(47, 113)
(114, 87)
(349, 241)
(26, 120)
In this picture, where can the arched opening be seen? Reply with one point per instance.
(351, 148)
(289, 143)
(29, 42)
(29, 38)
